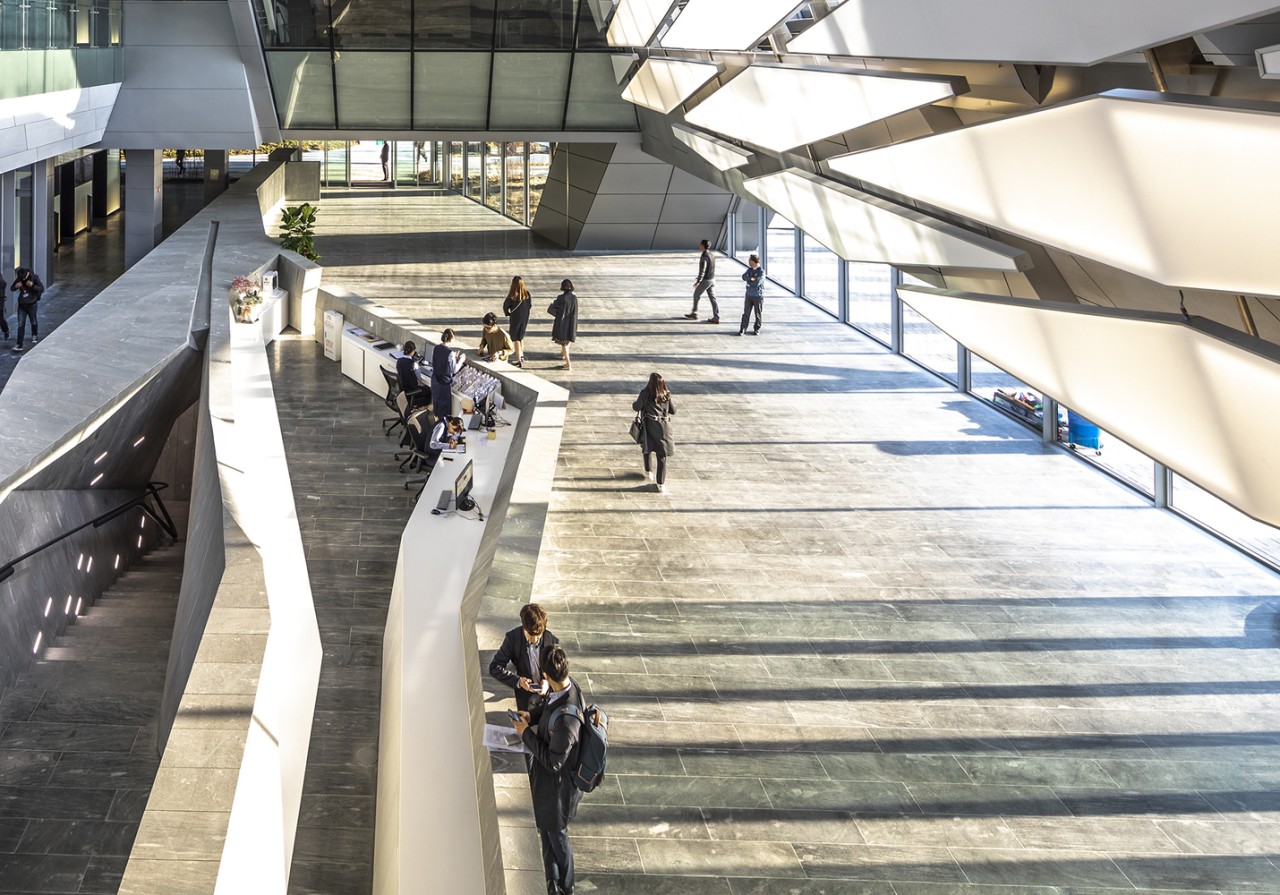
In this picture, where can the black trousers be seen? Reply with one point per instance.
(27, 312)
(662, 466)
(4, 320)
(557, 856)
(752, 303)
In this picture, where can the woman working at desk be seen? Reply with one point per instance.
(445, 362)
(446, 436)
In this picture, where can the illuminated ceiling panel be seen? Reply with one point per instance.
(726, 24)
(860, 227)
(634, 22)
(817, 104)
(663, 84)
(1193, 415)
(1178, 190)
(1081, 32)
(717, 152)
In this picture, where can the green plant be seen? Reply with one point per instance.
(298, 230)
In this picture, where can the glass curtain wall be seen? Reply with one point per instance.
(780, 249)
(513, 155)
(538, 169)
(456, 151)
(821, 269)
(493, 175)
(870, 299)
(59, 45)
(475, 171)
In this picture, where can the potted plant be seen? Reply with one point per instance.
(246, 297)
(298, 230)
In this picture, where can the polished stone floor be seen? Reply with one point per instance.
(874, 638)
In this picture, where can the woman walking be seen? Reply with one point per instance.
(516, 307)
(656, 409)
(564, 331)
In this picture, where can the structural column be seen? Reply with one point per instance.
(8, 223)
(40, 258)
(216, 176)
(143, 203)
(106, 183)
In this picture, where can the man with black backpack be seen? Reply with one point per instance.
(552, 732)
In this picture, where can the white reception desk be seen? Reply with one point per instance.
(428, 836)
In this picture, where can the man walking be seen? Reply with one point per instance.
(29, 288)
(754, 278)
(523, 647)
(706, 282)
(552, 735)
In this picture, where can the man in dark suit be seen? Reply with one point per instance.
(523, 647)
(552, 737)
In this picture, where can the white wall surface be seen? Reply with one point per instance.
(185, 81)
(42, 126)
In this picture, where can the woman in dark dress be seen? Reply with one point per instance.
(516, 307)
(564, 331)
(656, 409)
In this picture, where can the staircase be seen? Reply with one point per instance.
(78, 737)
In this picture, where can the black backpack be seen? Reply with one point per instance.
(593, 742)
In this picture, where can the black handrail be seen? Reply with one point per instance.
(153, 490)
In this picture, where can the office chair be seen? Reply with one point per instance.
(393, 389)
(406, 410)
(419, 428)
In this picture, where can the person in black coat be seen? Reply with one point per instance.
(564, 331)
(407, 375)
(29, 288)
(445, 362)
(656, 409)
(523, 647)
(552, 737)
(4, 314)
(516, 306)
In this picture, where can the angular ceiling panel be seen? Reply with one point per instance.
(1194, 415)
(718, 153)
(634, 21)
(817, 103)
(726, 24)
(860, 227)
(1081, 32)
(663, 84)
(1179, 190)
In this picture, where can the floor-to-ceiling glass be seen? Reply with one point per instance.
(475, 171)
(780, 251)
(539, 168)
(924, 342)
(493, 175)
(1218, 515)
(821, 276)
(871, 299)
(456, 151)
(513, 154)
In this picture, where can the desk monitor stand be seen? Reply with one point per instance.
(443, 503)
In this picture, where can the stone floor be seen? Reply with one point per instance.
(874, 638)
(352, 507)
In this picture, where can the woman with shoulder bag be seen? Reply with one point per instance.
(564, 331)
(656, 409)
(516, 306)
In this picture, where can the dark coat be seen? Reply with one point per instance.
(515, 651)
(555, 754)
(565, 310)
(657, 424)
(517, 316)
(27, 296)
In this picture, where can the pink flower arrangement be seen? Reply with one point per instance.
(244, 285)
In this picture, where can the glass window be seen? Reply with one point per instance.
(335, 165)
(925, 343)
(593, 24)
(1218, 515)
(528, 90)
(460, 24)
(370, 24)
(595, 99)
(821, 276)
(746, 224)
(455, 166)
(871, 299)
(413, 162)
(1104, 449)
(475, 171)
(302, 82)
(12, 28)
(493, 175)
(535, 24)
(539, 168)
(61, 24)
(1007, 392)
(515, 180)
(450, 90)
(299, 25)
(373, 89)
(780, 249)
(37, 22)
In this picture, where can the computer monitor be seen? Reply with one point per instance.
(462, 488)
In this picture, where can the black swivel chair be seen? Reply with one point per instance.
(419, 427)
(390, 424)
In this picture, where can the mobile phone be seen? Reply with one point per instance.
(513, 714)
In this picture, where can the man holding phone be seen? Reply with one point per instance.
(523, 647)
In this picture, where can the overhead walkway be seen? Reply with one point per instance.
(874, 638)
